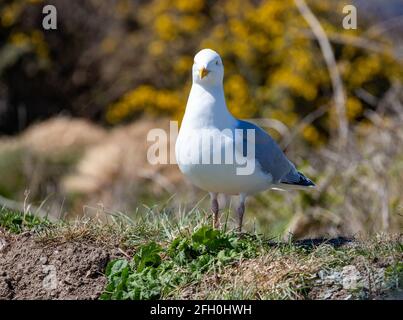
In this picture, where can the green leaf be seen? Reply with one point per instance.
(148, 256)
(116, 267)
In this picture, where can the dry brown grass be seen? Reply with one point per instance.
(268, 275)
(290, 272)
(79, 164)
(113, 171)
(61, 135)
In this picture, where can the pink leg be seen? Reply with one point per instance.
(215, 209)
(240, 211)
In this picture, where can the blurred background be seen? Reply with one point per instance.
(76, 105)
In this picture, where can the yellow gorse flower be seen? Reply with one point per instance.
(272, 68)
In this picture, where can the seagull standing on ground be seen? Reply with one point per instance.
(208, 119)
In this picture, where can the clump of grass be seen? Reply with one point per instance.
(17, 222)
(394, 276)
(287, 271)
(156, 272)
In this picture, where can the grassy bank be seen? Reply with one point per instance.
(159, 256)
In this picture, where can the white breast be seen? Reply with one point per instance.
(222, 177)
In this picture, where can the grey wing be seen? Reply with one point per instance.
(267, 153)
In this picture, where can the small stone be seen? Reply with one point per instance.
(321, 274)
(351, 277)
(327, 295)
(329, 278)
(43, 259)
(3, 244)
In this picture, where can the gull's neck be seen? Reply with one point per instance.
(206, 107)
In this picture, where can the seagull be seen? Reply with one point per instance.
(221, 154)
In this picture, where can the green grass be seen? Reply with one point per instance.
(17, 222)
(156, 272)
(179, 256)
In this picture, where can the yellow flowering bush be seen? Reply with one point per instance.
(144, 98)
(136, 57)
(273, 69)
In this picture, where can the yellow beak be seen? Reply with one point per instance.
(203, 72)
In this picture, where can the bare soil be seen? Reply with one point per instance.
(33, 269)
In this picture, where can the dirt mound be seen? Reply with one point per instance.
(30, 269)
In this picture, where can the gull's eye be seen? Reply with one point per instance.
(217, 63)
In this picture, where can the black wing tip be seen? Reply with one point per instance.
(309, 184)
(302, 184)
(303, 181)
